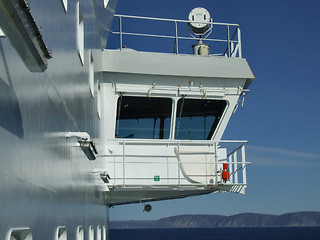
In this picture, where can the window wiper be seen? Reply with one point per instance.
(154, 126)
(119, 110)
(130, 136)
(180, 114)
(204, 126)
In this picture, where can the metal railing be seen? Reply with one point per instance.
(172, 157)
(231, 39)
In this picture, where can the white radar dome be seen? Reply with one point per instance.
(200, 20)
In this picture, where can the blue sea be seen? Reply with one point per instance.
(257, 233)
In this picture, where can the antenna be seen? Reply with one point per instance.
(200, 24)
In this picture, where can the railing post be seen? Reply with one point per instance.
(179, 163)
(206, 164)
(114, 170)
(235, 160)
(176, 37)
(228, 28)
(168, 178)
(216, 161)
(123, 163)
(244, 171)
(239, 43)
(230, 169)
(232, 49)
(120, 31)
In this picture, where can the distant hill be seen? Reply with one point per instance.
(299, 219)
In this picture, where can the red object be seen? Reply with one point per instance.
(225, 166)
(225, 172)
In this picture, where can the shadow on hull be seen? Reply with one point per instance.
(10, 113)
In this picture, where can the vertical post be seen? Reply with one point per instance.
(244, 171)
(228, 28)
(168, 177)
(114, 170)
(230, 168)
(120, 30)
(179, 163)
(216, 161)
(206, 164)
(239, 43)
(232, 49)
(176, 39)
(123, 163)
(235, 160)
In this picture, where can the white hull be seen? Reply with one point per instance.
(45, 185)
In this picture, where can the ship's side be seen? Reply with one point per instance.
(47, 188)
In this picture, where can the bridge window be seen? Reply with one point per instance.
(143, 117)
(197, 119)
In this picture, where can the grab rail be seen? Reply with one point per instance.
(170, 160)
(232, 41)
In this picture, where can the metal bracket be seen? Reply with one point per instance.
(86, 144)
(89, 149)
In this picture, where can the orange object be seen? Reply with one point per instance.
(225, 172)
(225, 166)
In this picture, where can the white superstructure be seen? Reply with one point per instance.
(83, 128)
(163, 116)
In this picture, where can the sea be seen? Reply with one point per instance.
(240, 233)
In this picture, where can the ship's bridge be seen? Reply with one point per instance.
(162, 118)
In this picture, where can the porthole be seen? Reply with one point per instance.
(19, 234)
(91, 74)
(98, 100)
(2, 34)
(65, 5)
(61, 233)
(91, 233)
(80, 33)
(104, 233)
(98, 233)
(105, 3)
(80, 233)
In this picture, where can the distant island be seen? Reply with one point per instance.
(298, 219)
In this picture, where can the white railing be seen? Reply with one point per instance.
(174, 163)
(228, 36)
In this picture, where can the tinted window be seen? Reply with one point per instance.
(197, 119)
(143, 117)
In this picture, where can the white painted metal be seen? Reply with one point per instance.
(51, 112)
(80, 33)
(244, 169)
(235, 162)
(182, 167)
(45, 180)
(65, 4)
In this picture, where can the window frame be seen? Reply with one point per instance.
(174, 109)
(123, 94)
(197, 98)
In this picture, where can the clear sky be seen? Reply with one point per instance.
(281, 115)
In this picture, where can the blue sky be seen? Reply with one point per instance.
(281, 115)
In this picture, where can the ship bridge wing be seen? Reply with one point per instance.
(162, 119)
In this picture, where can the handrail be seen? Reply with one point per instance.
(195, 166)
(168, 141)
(230, 51)
(174, 20)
